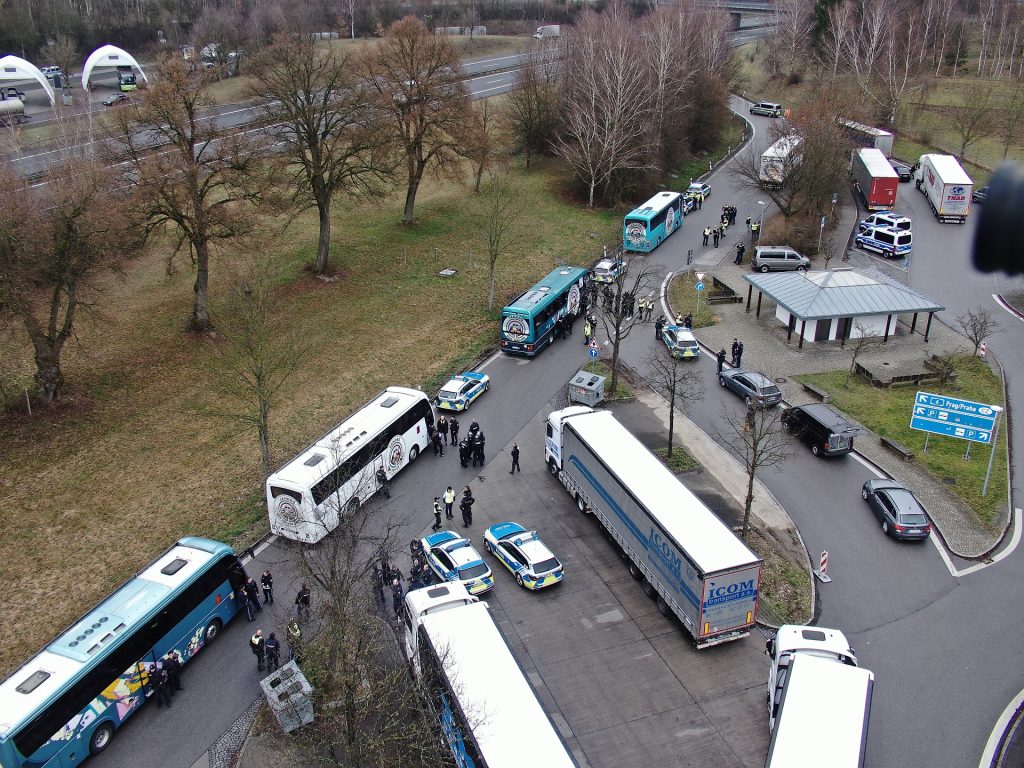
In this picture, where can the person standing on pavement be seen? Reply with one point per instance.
(515, 459)
(442, 427)
(721, 359)
(700, 201)
(740, 250)
(437, 515)
(748, 223)
(449, 499)
(466, 507)
(259, 648)
(295, 641)
(302, 601)
(715, 236)
(658, 325)
(252, 591)
(733, 350)
(588, 331)
(688, 321)
(464, 451)
(158, 680)
(273, 647)
(396, 596)
(438, 445)
(382, 482)
(172, 666)
(453, 428)
(739, 354)
(707, 234)
(267, 582)
(755, 231)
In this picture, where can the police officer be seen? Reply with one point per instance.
(478, 449)
(267, 582)
(453, 429)
(707, 234)
(438, 444)
(273, 646)
(172, 666)
(396, 596)
(658, 325)
(464, 452)
(302, 600)
(740, 250)
(437, 515)
(382, 482)
(466, 507)
(158, 679)
(259, 648)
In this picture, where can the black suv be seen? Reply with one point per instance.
(823, 429)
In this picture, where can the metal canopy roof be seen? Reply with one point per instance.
(840, 293)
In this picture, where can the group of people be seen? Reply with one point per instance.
(448, 429)
(737, 355)
(715, 233)
(465, 505)
(268, 650)
(165, 678)
(471, 447)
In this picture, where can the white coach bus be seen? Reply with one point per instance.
(307, 496)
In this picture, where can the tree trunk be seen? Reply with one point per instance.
(671, 418)
(49, 375)
(490, 288)
(201, 308)
(323, 246)
(749, 502)
(410, 200)
(264, 435)
(479, 174)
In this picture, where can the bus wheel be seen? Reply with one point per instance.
(663, 606)
(634, 570)
(212, 631)
(413, 453)
(101, 738)
(649, 589)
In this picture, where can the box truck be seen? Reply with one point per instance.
(779, 160)
(946, 185)
(473, 684)
(548, 31)
(819, 700)
(686, 558)
(875, 179)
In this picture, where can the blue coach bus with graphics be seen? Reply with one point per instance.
(68, 701)
(528, 323)
(645, 227)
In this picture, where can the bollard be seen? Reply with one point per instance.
(822, 572)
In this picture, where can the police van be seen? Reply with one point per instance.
(885, 219)
(891, 242)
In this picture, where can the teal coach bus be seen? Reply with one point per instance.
(645, 227)
(528, 323)
(68, 701)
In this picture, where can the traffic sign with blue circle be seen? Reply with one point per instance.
(698, 287)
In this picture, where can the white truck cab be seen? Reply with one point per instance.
(426, 601)
(791, 640)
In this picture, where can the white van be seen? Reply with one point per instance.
(885, 219)
(888, 241)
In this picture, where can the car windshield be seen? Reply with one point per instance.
(473, 571)
(546, 565)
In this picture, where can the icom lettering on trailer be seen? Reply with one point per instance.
(663, 551)
(742, 590)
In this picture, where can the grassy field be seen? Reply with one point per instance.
(887, 412)
(925, 123)
(128, 462)
(682, 297)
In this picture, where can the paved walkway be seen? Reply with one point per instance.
(766, 349)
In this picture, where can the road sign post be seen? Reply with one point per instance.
(992, 450)
(698, 287)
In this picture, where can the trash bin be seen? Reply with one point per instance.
(290, 697)
(586, 388)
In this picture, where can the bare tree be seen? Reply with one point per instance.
(256, 358)
(479, 146)
(606, 101)
(681, 382)
(531, 107)
(758, 441)
(1010, 122)
(637, 278)
(865, 339)
(329, 130)
(836, 38)
(977, 325)
(948, 19)
(413, 74)
(63, 52)
(796, 25)
(53, 243)
(501, 207)
(974, 120)
(201, 185)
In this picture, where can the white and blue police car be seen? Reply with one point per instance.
(460, 391)
(524, 554)
(454, 558)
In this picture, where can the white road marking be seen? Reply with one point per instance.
(989, 753)
(1006, 307)
(488, 361)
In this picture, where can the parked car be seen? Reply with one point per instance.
(460, 391)
(885, 219)
(117, 100)
(897, 509)
(756, 388)
(769, 258)
(827, 432)
(766, 108)
(607, 270)
(699, 188)
(524, 554)
(454, 558)
(51, 72)
(904, 171)
(980, 195)
(681, 343)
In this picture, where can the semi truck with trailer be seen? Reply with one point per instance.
(686, 558)
(867, 136)
(819, 700)
(946, 186)
(779, 160)
(548, 32)
(875, 179)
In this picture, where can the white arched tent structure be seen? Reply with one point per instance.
(13, 68)
(109, 56)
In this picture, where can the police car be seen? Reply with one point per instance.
(689, 202)
(699, 188)
(885, 219)
(607, 270)
(460, 392)
(680, 342)
(453, 558)
(524, 554)
(891, 242)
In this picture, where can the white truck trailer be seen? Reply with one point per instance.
(946, 185)
(687, 559)
(487, 711)
(779, 160)
(548, 32)
(819, 700)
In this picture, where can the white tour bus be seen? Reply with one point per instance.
(307, 496)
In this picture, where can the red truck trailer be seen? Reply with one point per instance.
(875, 179)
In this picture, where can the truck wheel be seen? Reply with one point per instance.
(649, 589)
(552, 467)
(663, 607)
(634, 570)
(815, 449)
(581, 504)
